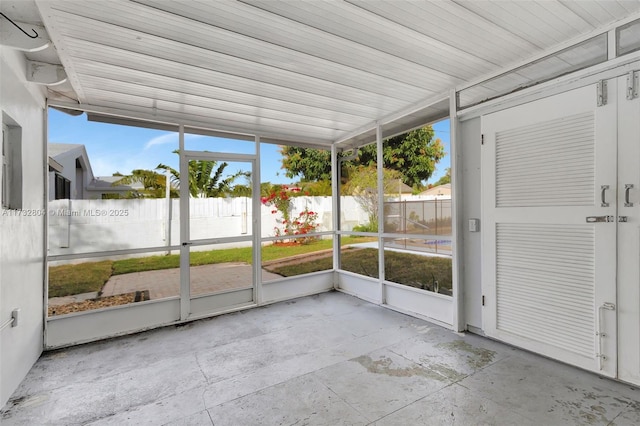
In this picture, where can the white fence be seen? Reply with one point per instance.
(84, 226)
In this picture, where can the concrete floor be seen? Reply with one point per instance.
(329, 359)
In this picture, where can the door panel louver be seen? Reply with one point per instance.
(547, 164)
(545, 286)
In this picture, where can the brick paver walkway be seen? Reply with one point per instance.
(205, 279)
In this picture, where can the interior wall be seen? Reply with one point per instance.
(21, 231)
(471, 143)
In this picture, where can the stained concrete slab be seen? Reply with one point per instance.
(179, 408)
(389, 381)
(303, 400)
(538, 388)
(325, 359)
(455, 405)
(455, 356)
(202, 418)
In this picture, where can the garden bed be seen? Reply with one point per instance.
(99, 302)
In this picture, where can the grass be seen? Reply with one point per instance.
(91, 276)
(75, 279)
(241, 254)
(402, 268)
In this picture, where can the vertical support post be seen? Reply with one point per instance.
(404, 216)
(167, 194)
(185, 277)
(380, 167)
(256, 225)
(45, 221)
(435, 208)
(458, 320)
(612, 44)
(335, 215)
(435, 205)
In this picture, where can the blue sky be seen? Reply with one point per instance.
(113, 148)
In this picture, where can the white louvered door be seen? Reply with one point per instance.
(548, 275)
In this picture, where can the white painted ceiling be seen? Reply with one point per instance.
(311, 72)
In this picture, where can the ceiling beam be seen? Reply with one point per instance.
(46, 74)
(127, 117)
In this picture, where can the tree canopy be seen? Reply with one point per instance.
(444, 179)
(206, 179)
(363, 186)
(153, 183)
(413, 154)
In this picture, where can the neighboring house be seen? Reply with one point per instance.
(399, 187)
(71, 176)
(438, 191)
(69, 171)
(102, 185)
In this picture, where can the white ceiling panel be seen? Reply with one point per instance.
(249, 122)
(453, 25)
(160, 70)
(315, 71)
(354, 23)
(94, 84)
(245, 22)
(203, 53)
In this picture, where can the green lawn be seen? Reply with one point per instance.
(91, 276)
(75, 279)
(402, 268)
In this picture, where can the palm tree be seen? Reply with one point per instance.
(154, 184)
(205, 179)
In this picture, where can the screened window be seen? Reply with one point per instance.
(628, 38)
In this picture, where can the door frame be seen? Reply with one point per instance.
(186, 241)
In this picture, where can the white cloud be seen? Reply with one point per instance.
(169, 138)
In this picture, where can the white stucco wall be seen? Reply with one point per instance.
(21, 236)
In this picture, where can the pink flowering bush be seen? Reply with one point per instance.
(302, 224)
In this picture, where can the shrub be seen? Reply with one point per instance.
(303, 224)
(369, 227)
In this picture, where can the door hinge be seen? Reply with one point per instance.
(483, 300)
(481, 139)
(632, 84)
(601, 90)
